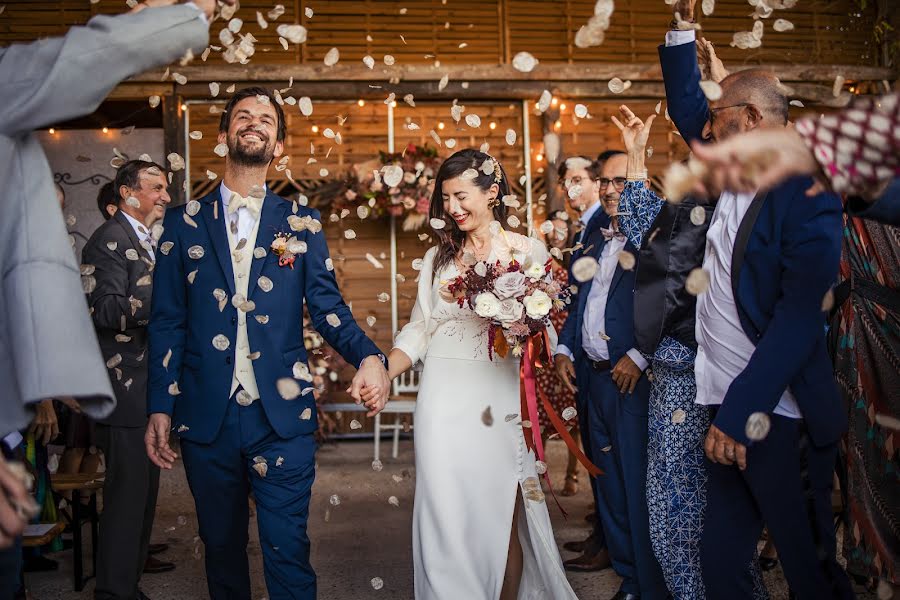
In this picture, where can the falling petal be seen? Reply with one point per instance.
(524, 62)
(584, 269)
(758, 426)
(697, 282)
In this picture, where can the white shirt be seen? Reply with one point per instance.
(243, 218)
(593, 325)
(723, 349)
(143, 234)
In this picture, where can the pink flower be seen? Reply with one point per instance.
(510, 285)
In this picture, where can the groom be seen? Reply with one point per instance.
(228, 369)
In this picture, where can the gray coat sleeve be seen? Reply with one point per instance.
(61, 78)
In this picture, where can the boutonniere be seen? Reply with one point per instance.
(286, 247)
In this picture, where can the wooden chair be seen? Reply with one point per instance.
(402, 401)
(79, 484)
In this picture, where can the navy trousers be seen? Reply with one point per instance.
(786, 487)
(582, 400)
(618, 439)
(221, 476)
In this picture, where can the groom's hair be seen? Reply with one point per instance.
(253, 92)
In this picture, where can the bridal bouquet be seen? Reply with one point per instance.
(515, 299)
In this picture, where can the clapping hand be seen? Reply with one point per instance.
(371, 385)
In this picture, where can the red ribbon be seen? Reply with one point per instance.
(529, 396)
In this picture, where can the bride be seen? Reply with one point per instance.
(481, 529)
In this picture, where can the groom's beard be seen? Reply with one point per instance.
(247, 155)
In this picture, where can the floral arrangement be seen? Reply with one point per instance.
(397, 184)
(515, 299)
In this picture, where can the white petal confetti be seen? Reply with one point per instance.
(354, 424)
(678, 416)
(626, 260)
(306, 415)
(569, 413)
(697, 282)
(334, 500)
(377, 583)
(544, 101)
(332, 57)
(369, 61)
(305, 105)
(524, 62)
(584, 269)
(437, 223)
(350, 234)
(581, 111)
(377, 465)
(473, 120)
(394, 501)
(221, 149)
(221, 342)
(758, 426)
(616, 85)
(698, 215)
(781, 25)
(265, 284)
(711, 89)
(243, 398)
(392, 175)
(296, 34)
(196, 252)
(333, 320)
(288, 388)
(540, 466)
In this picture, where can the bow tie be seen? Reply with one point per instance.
(254, 205)
(609, 234)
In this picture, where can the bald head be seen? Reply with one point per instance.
(751, 98)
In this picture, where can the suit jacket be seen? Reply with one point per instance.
(185, 318)
(48, 347)
(120, 306)
(886, 209)
(619, 317)
(786, 257)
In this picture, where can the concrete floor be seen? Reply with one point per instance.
(362, 538)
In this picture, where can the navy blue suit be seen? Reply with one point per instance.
(221, 440)
(614, 427)
(785, 259)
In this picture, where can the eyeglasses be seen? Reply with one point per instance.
(714, 111)
(619, 182)
(572, 181)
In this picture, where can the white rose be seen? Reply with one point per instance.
(510, 311)
(510, 285)
(487, 305)
(538, 304)
(535, 271)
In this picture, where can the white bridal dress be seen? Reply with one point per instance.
(468, 472)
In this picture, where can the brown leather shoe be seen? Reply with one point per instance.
(157, 548)
(587, 563)
(154, 565)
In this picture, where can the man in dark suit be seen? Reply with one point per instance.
(762, 364)
(598, 337)
(122, 253)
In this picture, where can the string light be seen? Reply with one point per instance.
(562, 107)
(441, 125)
(558, 125)
(539, 157)
(361, 102)
(105, 130)
(492, 125)
(52, 131)
(554, 101)
(394, 104)
(184, 107)
(315, 129)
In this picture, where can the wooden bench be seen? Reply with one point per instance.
(34, 541)
(79, 484)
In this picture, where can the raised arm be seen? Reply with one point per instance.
(686, 102)
(638, 204)
(57, 79)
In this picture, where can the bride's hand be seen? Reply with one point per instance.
(373, 401)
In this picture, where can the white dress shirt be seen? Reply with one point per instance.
(723, 349)
(593, 325)
(143, 235)
(243, 218)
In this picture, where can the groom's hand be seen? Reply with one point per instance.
(157, 441)
(371, 381)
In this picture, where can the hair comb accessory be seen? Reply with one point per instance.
(498, 172)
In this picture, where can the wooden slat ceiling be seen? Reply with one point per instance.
(491, 32)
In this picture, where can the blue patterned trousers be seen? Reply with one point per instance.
(676, 481)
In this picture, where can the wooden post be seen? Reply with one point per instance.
(554, 200)
(174, 141)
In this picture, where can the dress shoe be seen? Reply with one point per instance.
(157, 548)
(154, 565)
(588, 563)
(620, 595)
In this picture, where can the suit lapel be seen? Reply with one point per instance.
(271, 221)
(620, 272)
(213, 217)
(125, 224)
(742, 238)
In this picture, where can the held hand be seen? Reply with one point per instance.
(157, 441)
(626, 374)
(45, 426)
(17, 507)
(372, 382)
(566, 371)
(724, 450)
(635, 132)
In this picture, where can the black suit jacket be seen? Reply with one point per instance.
(120, 308)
